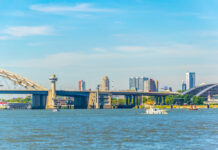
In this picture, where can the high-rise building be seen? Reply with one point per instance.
(183, 86)
(190, 80)
(141, 81)
(156, 85)
(151, 85)
(137, 83)
(82, 85)
(105, 84)
(132, 83)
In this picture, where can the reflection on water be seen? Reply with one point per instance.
(108, 129)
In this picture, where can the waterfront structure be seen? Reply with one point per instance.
(64, 101)
(183, 86)
(137, 83)
(190, 80)
(105, 84)
(212, 99)
(151, 85)
(3, 105)
(19, 106)
(82, 85)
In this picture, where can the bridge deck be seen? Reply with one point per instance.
(86, 93)
(23, 92)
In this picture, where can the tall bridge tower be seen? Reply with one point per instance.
(53, 80)
(52, 92)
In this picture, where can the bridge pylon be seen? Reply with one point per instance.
(51, 93)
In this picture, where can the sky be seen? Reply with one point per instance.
(88, 39)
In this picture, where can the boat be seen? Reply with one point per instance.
(193, 107)
(55, 110)
(155, 111)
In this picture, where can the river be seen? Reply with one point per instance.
(108, 129)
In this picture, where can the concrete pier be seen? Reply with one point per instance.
(39, 101)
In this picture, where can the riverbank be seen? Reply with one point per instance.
(178, 107)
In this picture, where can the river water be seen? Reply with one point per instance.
(108, 129)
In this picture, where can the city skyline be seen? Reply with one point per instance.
(87, 40)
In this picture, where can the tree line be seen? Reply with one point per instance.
(169, 100)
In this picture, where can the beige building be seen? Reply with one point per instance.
(212, 99)
(105, 84)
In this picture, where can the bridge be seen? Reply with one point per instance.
(42, 98)
(203, 90)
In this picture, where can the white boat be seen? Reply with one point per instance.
(55, 110)
(155, 111)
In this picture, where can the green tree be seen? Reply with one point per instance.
(197, 100)
(144, 99)
(20, 100)
(121, 101)
(118, 101)
(152, 98)
(169, 100)
(187, 99)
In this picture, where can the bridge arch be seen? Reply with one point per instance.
(20, 80)
(196, 90)
(213, 89)
(203, 90)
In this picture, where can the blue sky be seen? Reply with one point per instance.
(92, 38)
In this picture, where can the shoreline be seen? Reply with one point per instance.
(184, 107)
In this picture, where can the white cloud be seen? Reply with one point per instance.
(33, 44)
(174, 54)
(133, 48)
(100, 50)
(209, 33)
(4, 37)
(21, 31)
(83, 7)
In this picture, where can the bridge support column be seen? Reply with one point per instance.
(156, 99)
(128, 99)
(141, 100)
(160, 100)
(109, 105)
(39, 101)
(164, 100)
(50, 102)
(80, 102)
(137, 100)
(93, 100)
(134, 99)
